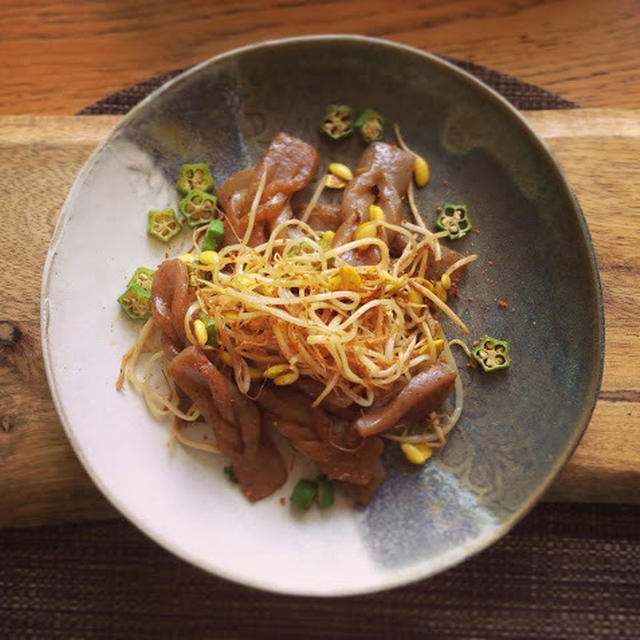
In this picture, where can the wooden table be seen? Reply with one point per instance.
(59, 56)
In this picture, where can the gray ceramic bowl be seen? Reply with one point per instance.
(518, 427)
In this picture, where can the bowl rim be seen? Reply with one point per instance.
(416, 572)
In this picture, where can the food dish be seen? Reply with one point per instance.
(516, 432)
(316, 317)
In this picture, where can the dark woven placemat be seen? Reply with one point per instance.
(566, 572)
(570, 571)
(522, 95)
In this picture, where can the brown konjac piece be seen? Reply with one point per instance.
(383, 172)
(323, 217)
(235, 420)
(438, 267)
(170, 299)
(424, 393)
(340, 452)
(290, 164)
(382, 176)
(231, 196)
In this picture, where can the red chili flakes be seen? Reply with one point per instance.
(443, 359)
(445, 183)
(470, 298)
(502, 303)
(475, 230)
(438, 209)
(166, 255)
(283, 501)
(490, 262)
(205, 437)
(471, 364)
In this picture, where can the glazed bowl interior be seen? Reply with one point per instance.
(518, 426)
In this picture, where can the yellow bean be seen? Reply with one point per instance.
(438, 344)
(375, 212)
(341, 171)
(390, 282)
(416, 453)
(243, 281)
(335, 282)
(421, 171)
(187, 258)
(350, 278)
(276, 370)
(286, 378)
(269, 290)
(208, 257)
(200, 332)
(415, 297)
(346, 278)
(366, 230)
(333, 182)
(328, 237)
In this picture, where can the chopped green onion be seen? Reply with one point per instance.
(325, 492)
(210, 326)
(230, 473)
(303, 494)
(213, 236)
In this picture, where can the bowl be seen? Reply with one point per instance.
(535, 284)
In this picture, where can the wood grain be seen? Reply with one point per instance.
(58, 56)
(40, 478)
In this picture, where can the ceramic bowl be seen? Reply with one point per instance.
(518, 427)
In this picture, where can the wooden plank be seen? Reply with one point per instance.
(605, 174)
(84, 132)
(41, 480)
